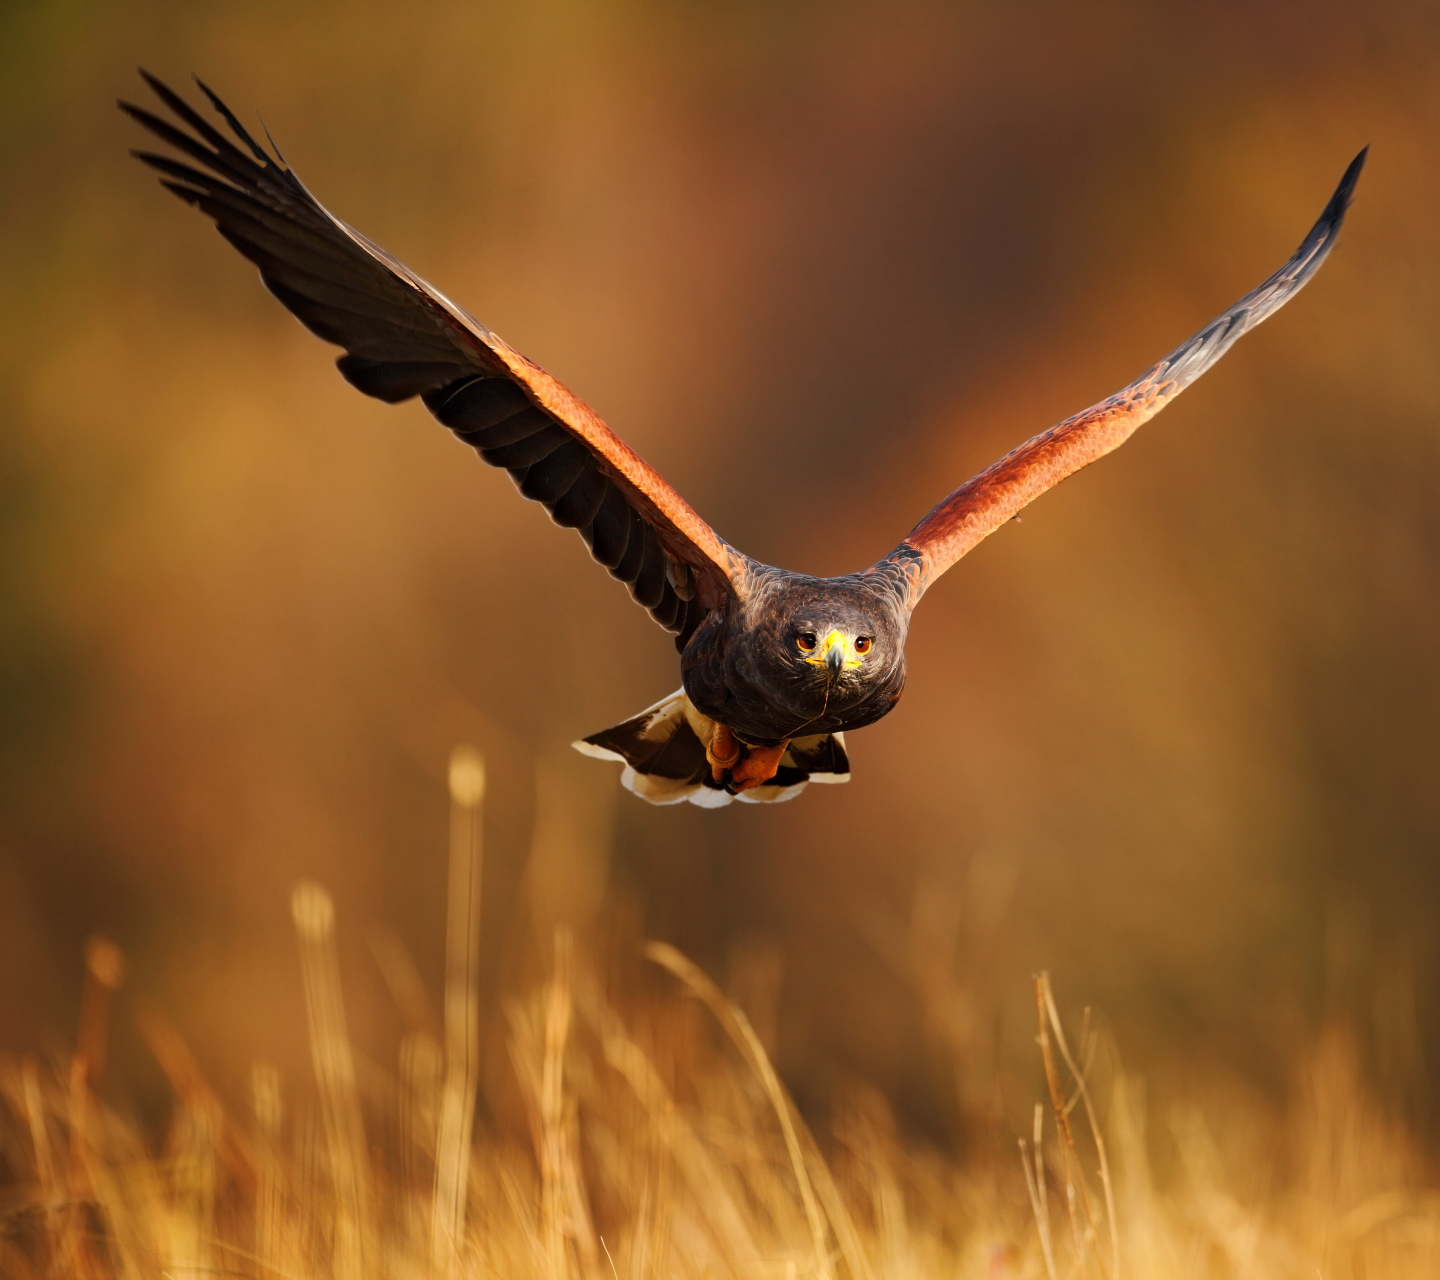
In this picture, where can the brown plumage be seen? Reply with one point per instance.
(776, 666)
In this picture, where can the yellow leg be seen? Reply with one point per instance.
(747, 766)
(723, 752)
(757, 768)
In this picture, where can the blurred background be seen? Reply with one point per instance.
(1173, 737)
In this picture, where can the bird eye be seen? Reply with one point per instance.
(807, 640)
(862, 644)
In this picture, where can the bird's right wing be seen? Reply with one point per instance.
(985, 502)
(404, 338)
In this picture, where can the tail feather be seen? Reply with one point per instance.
(663, 751)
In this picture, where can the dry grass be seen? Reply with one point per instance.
(669, 1152)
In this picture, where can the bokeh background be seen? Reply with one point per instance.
(1173, 737)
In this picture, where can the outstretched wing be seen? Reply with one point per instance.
(981, 505)
(403, 338)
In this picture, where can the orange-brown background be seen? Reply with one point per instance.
(1174, 736)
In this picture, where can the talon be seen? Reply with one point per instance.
(758, 767)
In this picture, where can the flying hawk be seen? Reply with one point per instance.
(775, 666)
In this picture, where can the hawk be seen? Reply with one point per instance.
(775, 666)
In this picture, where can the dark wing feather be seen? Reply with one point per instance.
(981, 505)
(403, 338)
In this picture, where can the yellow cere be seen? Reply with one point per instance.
(847, 646)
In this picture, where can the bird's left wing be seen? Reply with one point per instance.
(404, 338)
(982, 504)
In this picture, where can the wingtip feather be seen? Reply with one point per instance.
(1328, 224)
(237, 128)
(187, 194)
(1345, 192)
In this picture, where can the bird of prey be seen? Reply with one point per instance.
(775, 666)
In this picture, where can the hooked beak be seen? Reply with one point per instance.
(835, 654)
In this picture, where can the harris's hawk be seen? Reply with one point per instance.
(775, 666)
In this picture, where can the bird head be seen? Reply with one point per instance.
(821, 646)
(802, 655)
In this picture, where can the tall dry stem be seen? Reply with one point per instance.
(267, 1105)
(1077, 1190)
(707, 1178)
(1049, 1011)
(552, 1102)
(738, 1027)
(565, 1215)
(1035, 1185)
(104, 971)
(314, 915)
(462, 1010)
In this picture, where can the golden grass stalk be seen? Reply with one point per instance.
(703, 1173)
(266, 1103)
(1049, 1013)
(462, 1010)
(553, 1147)
(104, 971)
(738, 1027)
(1035, 1187)
(565, 1213)
(1085, 1230)
(334, 1062)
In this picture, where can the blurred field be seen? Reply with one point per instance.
(654, 1138)
(1172, 739)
